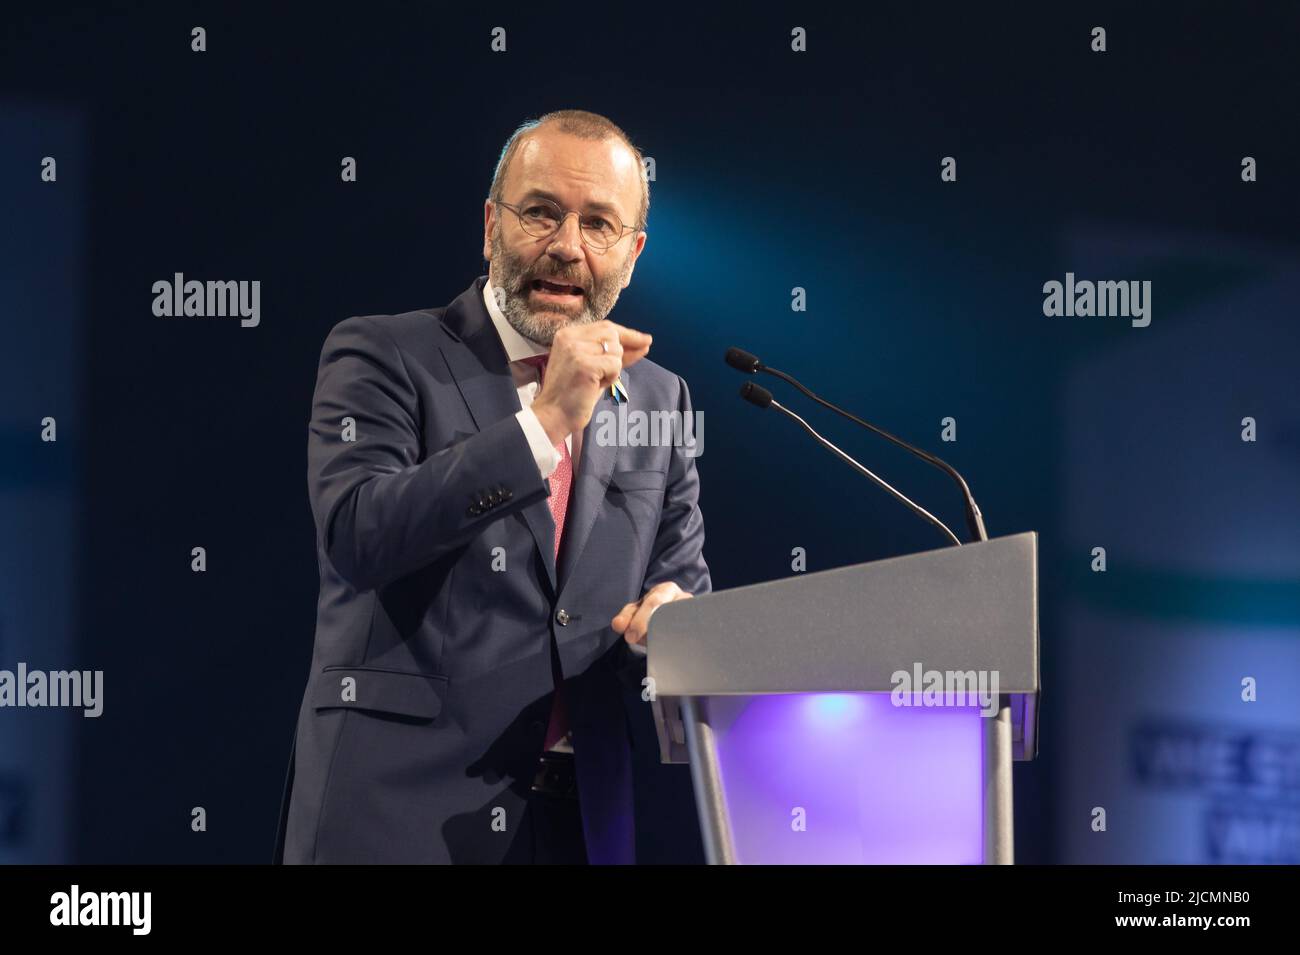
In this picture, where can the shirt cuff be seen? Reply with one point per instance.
(544, 453)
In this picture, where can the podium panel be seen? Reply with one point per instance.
(848, 779)
(781, 697)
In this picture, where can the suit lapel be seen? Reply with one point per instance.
(590, 483)
(482, 373)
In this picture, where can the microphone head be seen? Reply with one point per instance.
(756, 394)
(742, 360)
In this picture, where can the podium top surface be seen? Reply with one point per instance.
(973, 607)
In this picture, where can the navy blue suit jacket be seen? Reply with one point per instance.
(431, 681)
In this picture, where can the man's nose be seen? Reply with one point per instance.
(566, 244)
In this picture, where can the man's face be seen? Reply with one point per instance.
(574, 173)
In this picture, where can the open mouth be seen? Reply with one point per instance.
(557, 290)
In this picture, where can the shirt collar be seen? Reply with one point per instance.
(517, 346)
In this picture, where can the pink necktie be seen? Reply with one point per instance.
(561, 484)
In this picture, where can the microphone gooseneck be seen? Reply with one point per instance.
(743, 361)
(759, 396)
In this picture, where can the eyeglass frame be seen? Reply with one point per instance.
(564, 214)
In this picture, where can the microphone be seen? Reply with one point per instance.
(742, 360)
(756, 394)
(760, 397)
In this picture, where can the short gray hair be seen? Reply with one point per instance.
(584, 125)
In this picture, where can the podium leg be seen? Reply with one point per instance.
(710, 800)
(999, 822)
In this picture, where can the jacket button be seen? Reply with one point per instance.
(562, 618)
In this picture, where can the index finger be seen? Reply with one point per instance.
(635, 344)
(630, 337)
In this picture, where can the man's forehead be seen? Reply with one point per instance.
(600, 171)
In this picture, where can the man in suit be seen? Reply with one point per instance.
(489, 558)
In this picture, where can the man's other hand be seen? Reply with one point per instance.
(634, 619)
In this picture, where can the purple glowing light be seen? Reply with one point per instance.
(869, 781)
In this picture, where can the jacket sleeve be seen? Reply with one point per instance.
(678, 553)
(383, 505)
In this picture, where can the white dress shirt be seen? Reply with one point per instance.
(528, 384)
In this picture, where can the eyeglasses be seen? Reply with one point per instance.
(542, 218)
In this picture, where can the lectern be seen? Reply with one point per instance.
(806, 742)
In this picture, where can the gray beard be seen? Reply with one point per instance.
(510, 279)
(534, 327)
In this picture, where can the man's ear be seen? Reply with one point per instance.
(489, 219)
(637, 245)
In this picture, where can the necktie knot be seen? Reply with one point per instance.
(538, 362)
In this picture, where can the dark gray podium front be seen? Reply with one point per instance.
(867, 714)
